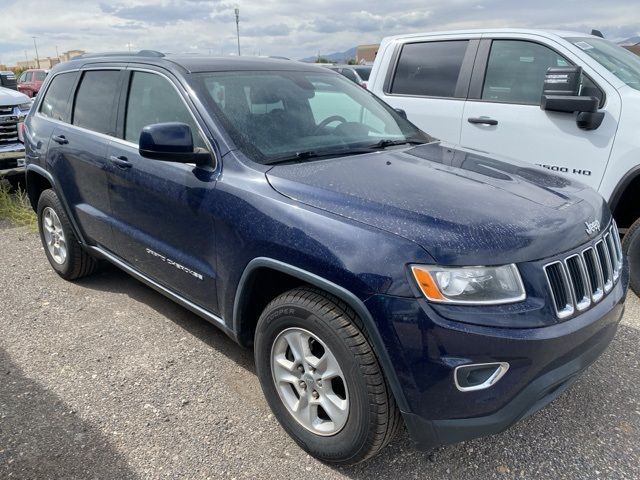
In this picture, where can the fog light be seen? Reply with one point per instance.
(478, 376)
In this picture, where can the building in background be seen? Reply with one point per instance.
(366, 53)
(68, 55)
(47, 63)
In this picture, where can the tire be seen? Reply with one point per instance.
(372, 417)
(75, 263)
(631, 248)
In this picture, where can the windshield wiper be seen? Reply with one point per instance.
(384, 143)
(308, 154)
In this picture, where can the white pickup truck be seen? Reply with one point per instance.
(14, 107)
(565, 101)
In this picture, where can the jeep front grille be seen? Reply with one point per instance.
(581, 280)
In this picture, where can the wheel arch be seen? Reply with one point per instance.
(624, 202)
(245, 309)
(38, 180)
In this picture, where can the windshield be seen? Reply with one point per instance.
(619, 61)
(364, 72)
(277, 116)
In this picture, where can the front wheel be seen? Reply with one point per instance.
(322, 379)
(631, 248)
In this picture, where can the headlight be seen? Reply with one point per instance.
(470, 285)
(25, 106)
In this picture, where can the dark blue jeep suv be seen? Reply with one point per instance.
(380, 276)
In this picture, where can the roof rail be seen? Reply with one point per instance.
(141, 53)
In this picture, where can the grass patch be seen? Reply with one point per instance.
(15, 206)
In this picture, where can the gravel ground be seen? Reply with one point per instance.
(105, 378)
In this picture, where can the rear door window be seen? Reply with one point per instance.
(95, 100)
(56, 100)
(429, 69)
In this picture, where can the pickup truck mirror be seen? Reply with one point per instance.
(560, 93)
(170, 142)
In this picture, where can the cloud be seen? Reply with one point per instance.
(161, 13)
(274, 30)
(292, 28)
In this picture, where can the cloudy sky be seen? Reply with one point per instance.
(291, 28)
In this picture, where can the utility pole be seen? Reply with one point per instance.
(237, 12)
(36, 47)
(57, 54)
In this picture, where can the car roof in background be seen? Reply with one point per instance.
(193, 63)
(352, 66)
(489, 31)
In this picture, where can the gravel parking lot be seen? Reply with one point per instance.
(105, 378)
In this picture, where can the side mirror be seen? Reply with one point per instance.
(560, 93)
(562, 81)
(170, 142)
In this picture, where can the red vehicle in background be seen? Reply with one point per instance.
(31, 80)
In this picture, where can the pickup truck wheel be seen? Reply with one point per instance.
(322, 379)
(65, 254)
(631, 248)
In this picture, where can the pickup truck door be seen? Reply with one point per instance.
(161, 211)
(502, 115)
(428, 79)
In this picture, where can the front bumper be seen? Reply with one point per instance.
(12, 160)
(425, 348)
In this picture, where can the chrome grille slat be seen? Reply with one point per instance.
(605, 265)
(579, 281)
(582, 279)
(594, 271)
(560, 290)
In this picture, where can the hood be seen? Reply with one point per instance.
(12, 97)
(462, 207)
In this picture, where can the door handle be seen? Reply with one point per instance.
(61, 139)
(121, 161)
(482, 120)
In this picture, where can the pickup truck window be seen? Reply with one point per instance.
(95, 99)
(429, 69)
(152, 99)
(516, 69)
(619, 61)
(280, 114)
(56, 98)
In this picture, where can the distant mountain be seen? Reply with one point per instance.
(630, 41)
(336, 57)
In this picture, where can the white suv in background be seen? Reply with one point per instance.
(492, 91)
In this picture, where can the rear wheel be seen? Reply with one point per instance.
(64, 252)
(631, 248)
(322, 379)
